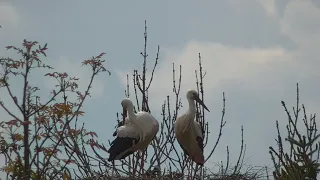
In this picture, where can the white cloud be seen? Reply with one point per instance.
(270, 7)
(301, 23)
(252, 66)
(8, 15)
(221, 63)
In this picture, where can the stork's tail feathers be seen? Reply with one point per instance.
(121, 147)
(199, 159)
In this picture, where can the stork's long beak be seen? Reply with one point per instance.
(201, 102)
(124, 114)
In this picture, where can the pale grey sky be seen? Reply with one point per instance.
(253, 50)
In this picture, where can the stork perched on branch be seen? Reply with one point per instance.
(136, 133)
(188, 131)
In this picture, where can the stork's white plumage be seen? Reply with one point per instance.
(188, 131)
(136, 133)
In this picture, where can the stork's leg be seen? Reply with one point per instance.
(142, 160)
(113, 167)
(133, 145)
(133, 166)
(133, 157)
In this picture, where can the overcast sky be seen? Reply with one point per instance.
(253, 50)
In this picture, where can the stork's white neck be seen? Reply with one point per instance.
(131, 114)
(192, 109)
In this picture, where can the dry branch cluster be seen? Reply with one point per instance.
(45, 139)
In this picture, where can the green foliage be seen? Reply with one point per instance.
(302, 160)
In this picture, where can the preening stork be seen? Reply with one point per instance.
(188, 131)
(135, 134)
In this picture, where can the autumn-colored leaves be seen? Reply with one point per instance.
(45, 136)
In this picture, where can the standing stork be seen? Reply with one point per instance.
(188, 131)
(135, 134)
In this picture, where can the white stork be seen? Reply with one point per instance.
(188, 131)
(136, 133)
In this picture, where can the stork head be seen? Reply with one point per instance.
(126, 103)
(193, 95)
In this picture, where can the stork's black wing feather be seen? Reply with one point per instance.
(200, 142)
(120, 123)
(184, 150)
(121, 146)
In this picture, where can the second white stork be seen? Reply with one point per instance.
(135, 134)
(188, 131)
